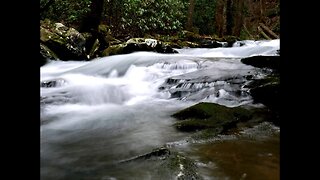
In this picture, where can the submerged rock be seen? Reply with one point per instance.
(158, 153)
(168, 164)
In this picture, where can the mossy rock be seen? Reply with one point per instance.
(47, 53)
(205, 110)
(114, 50)
(209, 115)
(67, 43)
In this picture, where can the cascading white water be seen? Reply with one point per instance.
(114, 107)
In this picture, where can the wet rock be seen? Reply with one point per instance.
(267, 92)
(210, 44)
(52, 83)
(230, 40)
(45, 54)
(269, 95)
(158, 153)
(272, 62)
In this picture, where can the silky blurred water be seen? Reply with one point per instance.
(114, 108)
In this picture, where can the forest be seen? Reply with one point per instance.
(241, 18)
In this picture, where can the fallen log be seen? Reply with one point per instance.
(246, 30)
(274, 35)
(263, 34)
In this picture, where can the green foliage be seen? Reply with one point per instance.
(155, 16)
(67, 11)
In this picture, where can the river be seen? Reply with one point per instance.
(97, 114)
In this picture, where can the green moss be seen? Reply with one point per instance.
(194, 125)
(113, 50)
(214, 111)
(210, 116)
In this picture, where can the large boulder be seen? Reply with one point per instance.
(212, 119)
(67, 43)
(210, 116)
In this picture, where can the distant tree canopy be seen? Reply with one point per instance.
(134, 17)
(140, 17)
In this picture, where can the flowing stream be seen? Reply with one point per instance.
(96, 114)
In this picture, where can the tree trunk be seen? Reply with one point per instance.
(219, 18)
(229, 18)
(92, 21)
(238, 17)
(190, 15)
